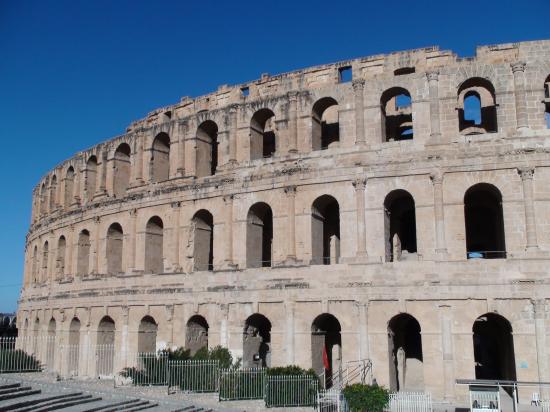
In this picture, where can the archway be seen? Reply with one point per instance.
(115, 243)
(325, 231)
(51, 345)
(60, 261)
(121, 170)
(399, 226)
(397, 118)
(154, 240)
(45, 259)
(326, 346)
(147, 335)
(69, 187)
(105, 350)
(203, 240)
(325, 126)
(207, 148)
(160, 158)
(476, 107)
(259, 235)
(196, 336)
(262, 134)
(83, 253)
(90, 176)
(73, 353)
(53, 193)
(257, 342)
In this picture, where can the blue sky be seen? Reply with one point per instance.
(74, 73)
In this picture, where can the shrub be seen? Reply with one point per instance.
(366, 398)
(291, 386)
(291, 370)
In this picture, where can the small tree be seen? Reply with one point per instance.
(366, 398)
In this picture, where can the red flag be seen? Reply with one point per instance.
(325, 358)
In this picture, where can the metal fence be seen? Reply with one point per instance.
(410, 402)
(146, 368)
(14, 358)
(241, 384)
(286, 391)
(331, 400)
(193, 375)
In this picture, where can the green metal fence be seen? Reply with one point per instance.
(193, 375)
(241, 384)
(286, 391)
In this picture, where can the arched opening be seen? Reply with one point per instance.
(257, 342)
(105, 350)
(397, 119)
(45, 260)
(83, 253)
(121, 170)
(43, 199)
(326, 346)
(400, 226)
(53, 193)
(484, 222)
(262, 134)
(73, 352)
(147, 335)
(115, 243)
(50, 345)
(477, 107)
(494, 348)
(91, 175)
(207, 149)
(34, 267)
(325, 126)
(60, 260)
(69, 187)
(154, 258)
(160, 158)
(196, 335)
(325, 231)
(547, 101)
(259, 235)
(203, 240)
(405, 354)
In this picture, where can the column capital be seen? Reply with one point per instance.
(175, 205)
(228, 198)
(437, 177)
(358, 84)
(526, 172)
(518, 67)
(290, 190)
(292, 95)
(432, 75)
(233, 108)
(359, 183)
(133, 213)
(97, 220)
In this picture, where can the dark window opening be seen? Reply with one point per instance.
(397, 120)
(547, 102)
(154, 231)
(345, 74)
(160, 158)
(121, 170)
(326, 346)
(325, 231)
(400, 226)
(196, 336)
(262, 134)
(115, 241)
(203, 241)
(472, 109)
(245, 91)
(325, 126)
(404, 70)
(257, 342)
(207, 149)
(477, 109)
(259, 236)
(147, 336)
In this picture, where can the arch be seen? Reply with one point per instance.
(400, 226)
(325, 231)
(43, 199)
(484, 222)
(45, 260)
(53, 193)
(547, 101)
(35, 335)
(493, 348)
(397, 118)
(83, 253)
(325, 126)
(147, 335)
(262, 134)
(203, 240)
(121, 170)
(73, 351)
(259, 235)
(34, 267)
(91, 177)
(257, 341)
(115, 247)
(105, 351)
(154, 245)
(196, 336)
(60, 260)
(207, 148)
(476, 106)
(405, 354)
(50, 344)
(160, 158)
(326, 346)
(69, 187)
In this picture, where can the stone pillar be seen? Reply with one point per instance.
(228, 200)
(518, 70)
(292, 121)
(233, 133)
(131, 265)
(530, 223)
(176, 208)
(181, 149)
(359, 185)
(440, 244)
(224, 324)
(138, 159)
(102, 187)
(70, 246)
(290, 332)
(290, 192)
(447, 351)
(123, 339)
(539, 311)
(364, 350)
(95, 252)
(433, 85)
(358, 86)
(76, 185)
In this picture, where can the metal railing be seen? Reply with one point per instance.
(410, 402)
(287, 391)
(146, 368)
(331, 400)
(104, 360)
(193, 375)
(242, 384)
(359, 371)
(15, 357)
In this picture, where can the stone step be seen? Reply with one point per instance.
(129, 407)
(103, 405)
(14, 390)
(21, 394)
(148, 405)
(35, 400)
(68, 404)
(9, 386)
(57, 403)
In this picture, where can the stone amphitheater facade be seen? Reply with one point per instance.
(393, 208)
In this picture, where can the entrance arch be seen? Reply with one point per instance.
(196, 336)
(326, 346)
(105, 351)
(257, 341)
(147, 335)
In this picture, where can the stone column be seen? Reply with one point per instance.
(102, 187)
(228, 200)
(518, 70)
(181, 148)
(364, 350)
(70, 245)
(539, 312)
(290, 192)
(447, 351)
(95, 252)
(124, 339)
(176, 208)
(138, 159)
(530, 223)
(233, 133)
(131, 265)
(359, 185)
(440, 244)
(358, 86)
(292, 121)
(224, 323)
(76, 185)
(433, 85)
(290, 332)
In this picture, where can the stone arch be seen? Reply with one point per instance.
(325, 126)
(121, 169)
(154, 245)
(147, 335)
(60, 259)
(43, 199)
(397, 118)
(115, 248)
(34, 266)
(50, 344)
(405, 354)
(69, 187)
(493, 348)
(547, 101)
(259, 235)
(53, 193)
(160, 158)
(203, 240)
(45, 260)
(105, 351)
(73, 351)
(91, 177)
(399, 226)
(257, 341)
(207, 149)
(483, 92)
(484, 221)
(83, 253)
(262, 134)
(326, 346)
(325, 231)
(196, 336)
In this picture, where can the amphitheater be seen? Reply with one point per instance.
(393, 207)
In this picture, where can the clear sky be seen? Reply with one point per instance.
(74, 73)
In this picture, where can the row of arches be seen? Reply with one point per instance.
(484, 223)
